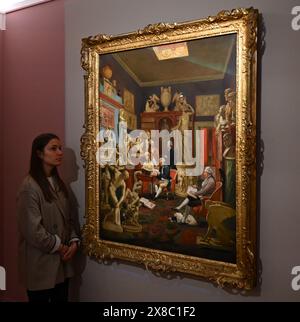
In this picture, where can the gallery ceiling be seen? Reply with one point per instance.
(208, 59)
(12, 5)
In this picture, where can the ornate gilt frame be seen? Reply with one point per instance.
(243, 22)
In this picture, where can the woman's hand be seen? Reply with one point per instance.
(62, 249)
(68, 255)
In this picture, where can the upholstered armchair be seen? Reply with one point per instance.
(201, 210)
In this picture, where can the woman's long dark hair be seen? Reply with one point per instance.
(36, 167)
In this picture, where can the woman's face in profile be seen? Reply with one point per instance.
(52, 154)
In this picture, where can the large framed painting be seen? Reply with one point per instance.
(170, 147)
(129, 101)
(207, 105)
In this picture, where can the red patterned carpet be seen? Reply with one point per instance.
(160, 233)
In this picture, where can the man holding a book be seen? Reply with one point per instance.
(195, 193)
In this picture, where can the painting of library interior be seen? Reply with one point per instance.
(156, 203)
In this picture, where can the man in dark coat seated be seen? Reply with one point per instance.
(163, 177)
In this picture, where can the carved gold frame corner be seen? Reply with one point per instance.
(243, 22)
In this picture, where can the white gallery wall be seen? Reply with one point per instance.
(279, 215)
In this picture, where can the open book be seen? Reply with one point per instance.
(191, 192)
(147, 203)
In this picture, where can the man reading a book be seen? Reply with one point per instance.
(195, 194)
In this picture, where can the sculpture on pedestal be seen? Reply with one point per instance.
(131, 206)
(117, 194)
(180, 102)
(151, 103)
(165, 97)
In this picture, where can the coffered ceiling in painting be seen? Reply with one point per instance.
(208, 59)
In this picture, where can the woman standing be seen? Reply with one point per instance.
(48, 240)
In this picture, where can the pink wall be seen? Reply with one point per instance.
(1, 145)
(34, 102)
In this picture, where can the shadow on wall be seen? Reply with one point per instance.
(260, 147)
(70, 174)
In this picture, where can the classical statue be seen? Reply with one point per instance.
(122, 116)
(151, 103)
(184, 120)
(226, 114)
(230, 108)
(229, 168)
(180, 102)
(117, 194)
(220, 120)
(180, 179)
(106, 177)
(131, 205)
(182, 125)
(165, 97)
(148, 164)
(179, 146)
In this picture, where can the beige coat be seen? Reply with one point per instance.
(39, 221)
